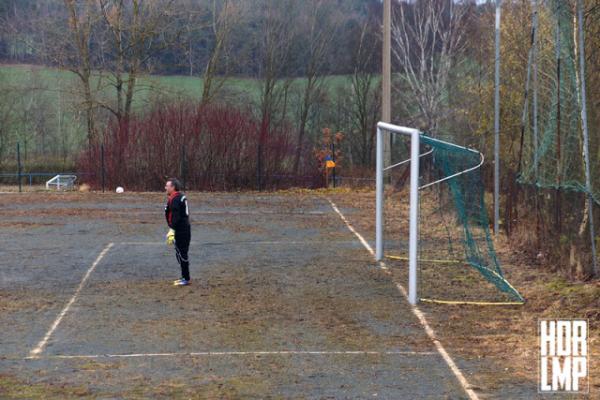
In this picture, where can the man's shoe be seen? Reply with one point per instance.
(181, 282)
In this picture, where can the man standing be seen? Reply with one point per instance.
(177, 215)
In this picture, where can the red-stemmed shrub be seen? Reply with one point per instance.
(210, 147)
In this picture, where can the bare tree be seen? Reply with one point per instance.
(321, 24)
(223, 21)
(81, 23)
(107, 45)
(274, 40)
(133, 31)
(428, 37)
(364, 93)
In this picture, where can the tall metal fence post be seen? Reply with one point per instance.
(333, 159)
(102, 166)
(584, 125)
(259, 166)
(182, 167)
(497, 120)
(19, 166)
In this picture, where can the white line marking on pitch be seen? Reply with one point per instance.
(358, 235)
(251, 212)
(255, 243)
(417, 312)
(246, 353)
(228, 212)
(42, 344)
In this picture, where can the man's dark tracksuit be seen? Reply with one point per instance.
(177, 215)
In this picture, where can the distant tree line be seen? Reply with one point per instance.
(189, 30)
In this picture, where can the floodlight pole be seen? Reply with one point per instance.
(497, 121)
(414, 201)
(386, 79)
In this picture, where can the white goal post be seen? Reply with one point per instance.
(414, 200)
(415, 155)
(62, 182)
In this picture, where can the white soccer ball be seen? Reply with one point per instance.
(120, 189)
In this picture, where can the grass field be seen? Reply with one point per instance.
(286, 302)
(49, 83)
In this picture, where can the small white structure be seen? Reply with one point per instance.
(120, 189)
(62, 182)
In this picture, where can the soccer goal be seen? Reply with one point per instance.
(62, 182)
(440, 193)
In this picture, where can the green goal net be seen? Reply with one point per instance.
(457, 261)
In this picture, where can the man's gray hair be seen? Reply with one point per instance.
(176, 184)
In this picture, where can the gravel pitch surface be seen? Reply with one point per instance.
(284, 303)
